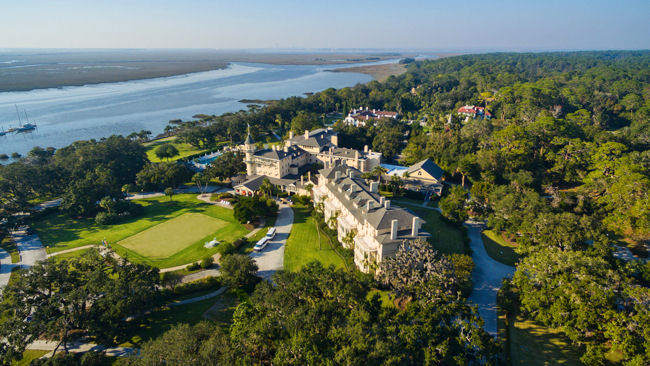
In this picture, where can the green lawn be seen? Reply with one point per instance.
(445, 237)
(60, 232)
(163, 240)
(532, 344)
(29, 356)
(157, 322)
(183, 149)
(303, 245)
(8, 244)
(499, 249)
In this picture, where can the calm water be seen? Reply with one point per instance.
(68, 114)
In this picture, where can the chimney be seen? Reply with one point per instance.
(309, 175)
(337, 175)
(365, 148)
(387, 204)
(369, 205)
(393, 229)
(306, 134)
(416, 226)
(356, 154)
(374, 187)
(381, 200)
(302, 180)
(286, 148)
(348, 172)
(353, 188)
(290, 134)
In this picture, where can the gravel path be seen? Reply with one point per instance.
(486, 278)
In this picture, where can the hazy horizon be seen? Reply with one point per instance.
(476, 26)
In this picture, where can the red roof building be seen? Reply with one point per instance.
(474, 111)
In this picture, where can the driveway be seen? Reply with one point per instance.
(5, 268)
(486, 278)
(271, 259)
(30, 248)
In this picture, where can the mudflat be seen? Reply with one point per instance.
(22, 70)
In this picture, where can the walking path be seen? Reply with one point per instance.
(5, 268)
(73, 250)
(199, 298)
(486, 277)
(80, 347)
(271, 259)
(30, 247)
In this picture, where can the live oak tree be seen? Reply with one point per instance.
(453, 205)
(166, 151)
(64, 299)
(238, 270)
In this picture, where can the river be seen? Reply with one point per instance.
(68, 114)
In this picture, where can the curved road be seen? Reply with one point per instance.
(486, 278)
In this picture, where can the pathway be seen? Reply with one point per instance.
(73, 250)
(5, 268)
(80, 347)
(486, 277)
(271, 259)
(30, 247)
(199, 298)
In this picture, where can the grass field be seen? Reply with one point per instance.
(304, 246)
(499, 249)
(183, 149)
(445, 237)
(535, 345)
(163, 240)
(60, 232)
(29, 356)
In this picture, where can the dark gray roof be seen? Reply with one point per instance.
(317, 138)
(429, 166)
(280, 154)
(378, 216)
(249, 140)
(253, 183)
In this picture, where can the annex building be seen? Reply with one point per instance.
(365, 221)
(361, 116)
(284, 166)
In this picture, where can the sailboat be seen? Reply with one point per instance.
(27, 126)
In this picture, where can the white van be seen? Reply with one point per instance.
(271, 233)
(261, 244)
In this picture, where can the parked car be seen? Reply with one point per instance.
(261, 244)
(271, 233)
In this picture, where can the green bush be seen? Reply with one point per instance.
(193, 267)
(239, 242)
(105, 218)
(226, 248)
(207, 262)
(209, 283)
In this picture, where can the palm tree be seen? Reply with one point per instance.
(379, 171)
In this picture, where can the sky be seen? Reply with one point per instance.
(510, 25)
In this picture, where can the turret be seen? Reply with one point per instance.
(249, 151)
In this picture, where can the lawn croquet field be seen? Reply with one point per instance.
(59, 231)
(172, 236)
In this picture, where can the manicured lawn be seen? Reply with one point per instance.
(157, 322)
(445, 237)
(386, 297)
(304, 245)
(163, 240)
(29, 356)
(59, 231)
(499, 249)
(8, 244)
(532, 344)
(183, 149)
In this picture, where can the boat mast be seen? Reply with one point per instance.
(20, 123)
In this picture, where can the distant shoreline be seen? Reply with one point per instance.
(44, 71)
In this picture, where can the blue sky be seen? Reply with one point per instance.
(433, 24)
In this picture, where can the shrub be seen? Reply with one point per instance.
(193, 266)
(105, 218)
(239, 242)
(238, 270)
(225, 248)
(209, 283)
(207, 262)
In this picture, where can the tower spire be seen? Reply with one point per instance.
(249, 140)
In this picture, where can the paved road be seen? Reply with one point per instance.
(271, 259)
(79, 347)
(486, 278)
(30, 248)
(5, 268)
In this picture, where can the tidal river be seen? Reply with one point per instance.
(68, 114)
